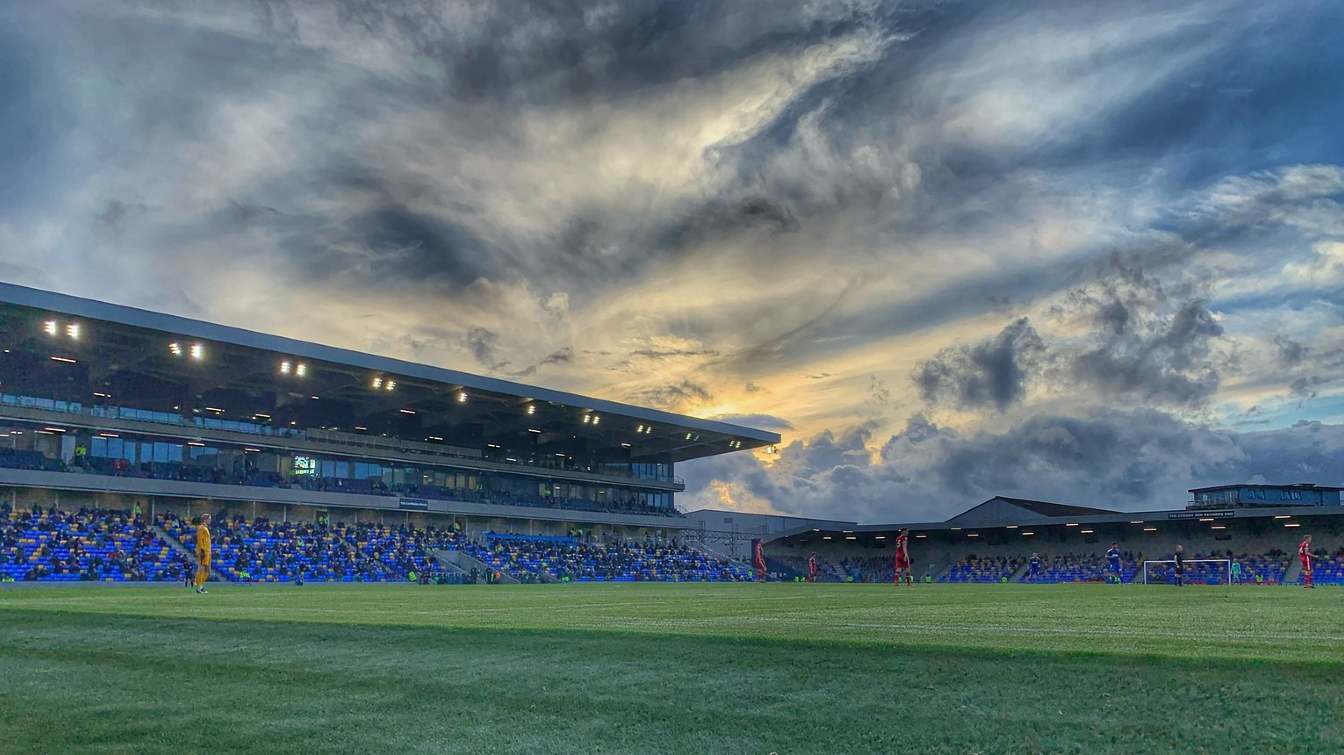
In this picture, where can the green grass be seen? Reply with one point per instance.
(672, 668)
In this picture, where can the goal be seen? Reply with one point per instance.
(1198, 571)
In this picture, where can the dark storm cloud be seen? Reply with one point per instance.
(1305, 387)
(758, 421)
(1147, 343)
(558, 357)
(1291, 353)
(675, 396)
(993, 372)
(483, 344)
(672, 353)
(117, 211)
(719, 221)
(1129, 460)
(548, 51)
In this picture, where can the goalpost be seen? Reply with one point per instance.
(1226, 562)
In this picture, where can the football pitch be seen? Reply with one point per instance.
(738, 668)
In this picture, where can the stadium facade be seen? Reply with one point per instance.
(1255, 521)
(118, 407)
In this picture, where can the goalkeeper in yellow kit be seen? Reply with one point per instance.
(202, 553)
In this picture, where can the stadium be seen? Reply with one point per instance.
(388, 516)
(650, 376)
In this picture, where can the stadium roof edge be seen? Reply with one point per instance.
(93, 309)
(1293, 485)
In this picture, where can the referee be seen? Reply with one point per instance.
(1179, 558)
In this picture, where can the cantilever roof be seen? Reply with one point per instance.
(717, 434)
(1047, 508)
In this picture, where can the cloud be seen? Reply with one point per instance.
(560, 356)
(1305, 387)
(672, 353)
(1034, 210)
(991, 373)
(678, 396)
(1143, 341)
(484, 346)
(1324, 268)
(758, 421)
(1291, 353)
(1124, 459)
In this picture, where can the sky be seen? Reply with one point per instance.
(948, 250)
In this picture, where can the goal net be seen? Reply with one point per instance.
(1198, 571)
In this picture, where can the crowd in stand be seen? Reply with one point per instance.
(85, 545)
(1081, 567)
(264, 551)
(987, 569)
(1329, 567)
(1246, 568)
(579, 559)
(47, 544)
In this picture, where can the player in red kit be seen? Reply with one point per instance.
(1304, 553)
(902, 560)
(758, 560)
(812, 568)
